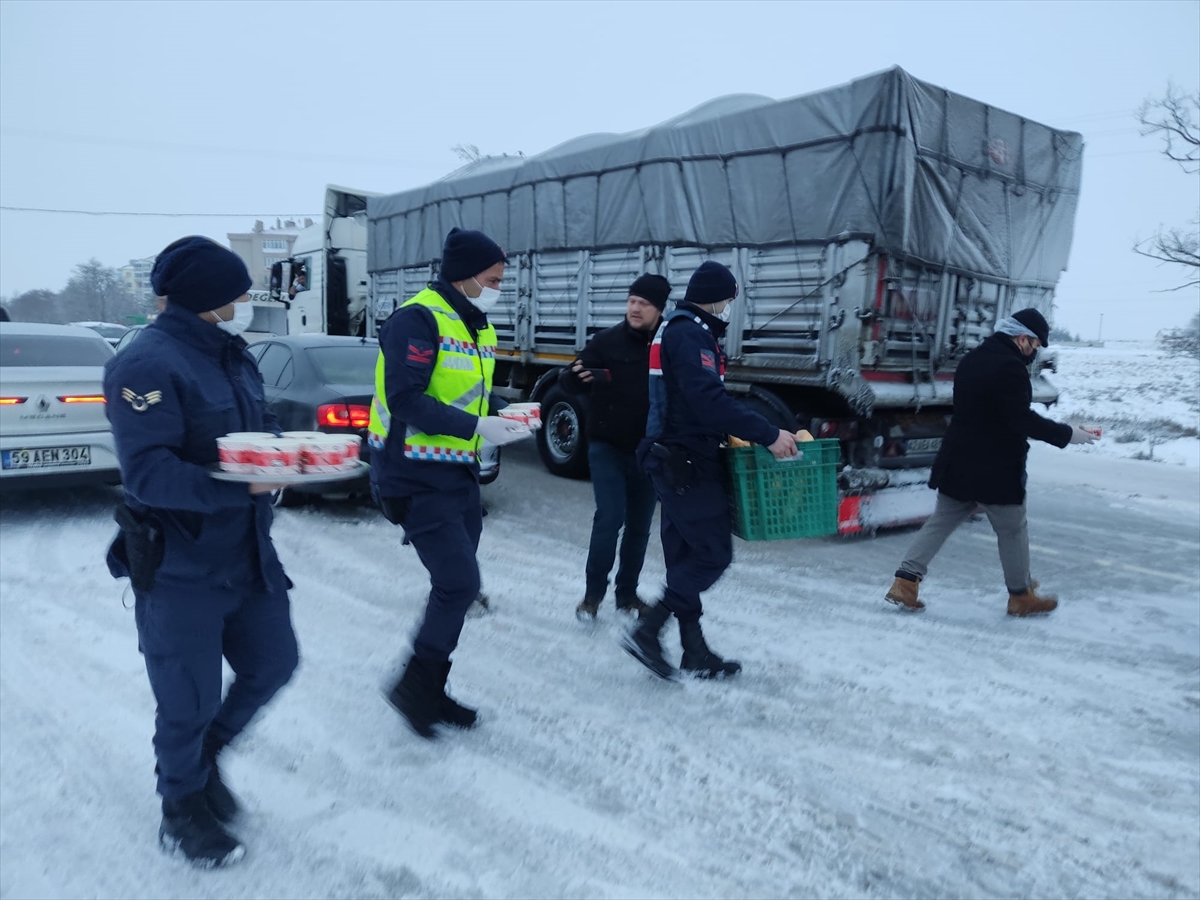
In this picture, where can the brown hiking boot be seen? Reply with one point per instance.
(588, 607)
(903, 593)
(1030, 603)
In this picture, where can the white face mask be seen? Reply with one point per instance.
(487, 299)
(725, 314)
(243, 315)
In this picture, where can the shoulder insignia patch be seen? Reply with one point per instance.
(419, 353)
(141, 402)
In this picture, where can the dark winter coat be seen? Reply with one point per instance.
(393, 473)
(982, 458)
(689, 406)
(619, 393)
(170, 395)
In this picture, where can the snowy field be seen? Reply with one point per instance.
(862, 753)
(1148, 403)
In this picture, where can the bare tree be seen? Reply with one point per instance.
(467, 152)
(1182, 341)
(36, 306)
(1175, 117)
(95, 291)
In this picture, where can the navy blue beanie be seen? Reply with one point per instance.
(467, 253)
(199, 275)
(711, 283)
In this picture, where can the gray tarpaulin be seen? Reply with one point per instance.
(920, 171)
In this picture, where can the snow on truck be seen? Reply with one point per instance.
(878, 230)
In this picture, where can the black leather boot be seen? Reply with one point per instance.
(222, 801)
(416, 696)
(643, 644)
(450, 710)
(698, 659)
(190, 828)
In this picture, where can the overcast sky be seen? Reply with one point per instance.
(252, 108)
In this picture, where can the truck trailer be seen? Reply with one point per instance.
(878, 230)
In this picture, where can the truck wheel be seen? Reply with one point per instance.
(770, 408)
(561, 443)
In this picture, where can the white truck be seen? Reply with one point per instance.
(323, 286)
(878, 230)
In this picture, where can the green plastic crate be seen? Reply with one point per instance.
(773, 500)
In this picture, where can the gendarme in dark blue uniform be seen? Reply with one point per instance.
(432, 403)
(690, 416)
(219, 589)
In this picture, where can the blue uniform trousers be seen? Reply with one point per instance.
(444, 527)
(697, 541)
(183, 632)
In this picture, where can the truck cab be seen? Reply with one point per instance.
(323, 286)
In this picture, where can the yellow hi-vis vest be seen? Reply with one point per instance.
(462, 378)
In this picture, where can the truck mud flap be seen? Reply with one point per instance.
(888, 508)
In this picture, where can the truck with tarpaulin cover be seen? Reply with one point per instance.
(878, 230)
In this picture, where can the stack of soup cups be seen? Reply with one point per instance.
(294, 453)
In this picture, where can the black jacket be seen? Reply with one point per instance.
(983, 454)
(620, 394)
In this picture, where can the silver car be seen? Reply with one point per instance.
(53, 426)
(110, 331)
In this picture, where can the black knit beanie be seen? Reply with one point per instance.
(467, 253)
(654, 289)
(198, 274)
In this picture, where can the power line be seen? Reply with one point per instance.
(272, 153)
(97, 212)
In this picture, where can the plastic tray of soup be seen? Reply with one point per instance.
(526, 413)
(295, 457)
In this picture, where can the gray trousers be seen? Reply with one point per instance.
(1008, 521)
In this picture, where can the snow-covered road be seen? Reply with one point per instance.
(862, 752)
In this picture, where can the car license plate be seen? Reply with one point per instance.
(47, 458)
(924, 445)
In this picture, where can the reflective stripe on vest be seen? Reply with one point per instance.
(461, 378)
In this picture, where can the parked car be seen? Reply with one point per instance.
(53, 426)
(110, 331)
(325, 383)
(128, 337)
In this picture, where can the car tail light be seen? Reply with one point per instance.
(12, 401)
(842, 429)
(82, 398)
(343, 415)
